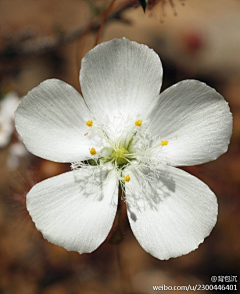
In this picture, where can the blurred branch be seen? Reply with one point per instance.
(48, 44)
(105, 16)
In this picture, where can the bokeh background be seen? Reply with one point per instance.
(42, 39)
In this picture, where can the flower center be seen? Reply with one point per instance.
(128, 146)
(120, 155)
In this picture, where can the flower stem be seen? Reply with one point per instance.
(126, 286)
(117, 236)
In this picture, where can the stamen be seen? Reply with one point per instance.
(138, 123)
(164, 143)
(93, 151)
(127, 178)
(89, 123)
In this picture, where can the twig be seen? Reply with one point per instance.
(105, 15)
(49, 44)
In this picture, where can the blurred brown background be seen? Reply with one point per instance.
(195, 39)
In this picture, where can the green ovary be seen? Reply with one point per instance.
(120, 155)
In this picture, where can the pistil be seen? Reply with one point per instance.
(120, 155)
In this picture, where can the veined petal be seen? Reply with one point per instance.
(52, 121)
(196, 121)
(121, 79)
(170, 211)
(75, 210)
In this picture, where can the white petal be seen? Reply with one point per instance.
(75, 210)
(121, 79)
(52, 121)
(171, 214)
(196, 121)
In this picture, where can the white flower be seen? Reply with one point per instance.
(131, 135)
(7, 107)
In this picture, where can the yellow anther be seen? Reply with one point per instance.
(89, 123)
(164, 143)
(138, 123)
(127, 178)
(93, 151)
